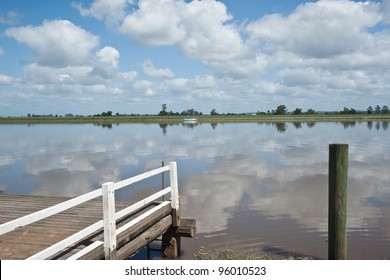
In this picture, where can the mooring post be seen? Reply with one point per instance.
(109, 222)
(337, 215)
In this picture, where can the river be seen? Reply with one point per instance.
(251, 186)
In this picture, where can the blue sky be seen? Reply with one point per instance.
(128, 56)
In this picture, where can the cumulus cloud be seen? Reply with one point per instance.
(385, 8)
(4, 79)
(107, 61)
(108, 56)
(321, 29)
(318, 53)
(42, 74)
(57, 43)
(69, 65)
(204, 81)
(155, 23)
(65, 53)
(111, 11)
(201, 29)
(144, 87)
(152, 71)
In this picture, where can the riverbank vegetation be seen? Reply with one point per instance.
(229, 254)
(280, 114)
(200, 119)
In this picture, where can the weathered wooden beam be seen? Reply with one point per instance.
(131, 248)
(130, 234)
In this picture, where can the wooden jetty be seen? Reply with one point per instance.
(93, 225)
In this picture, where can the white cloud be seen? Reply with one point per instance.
(68, 65)
(4, 79)
(209, 35)
(144, 87)
(206, 81)
(199, 28)
(57, 43)
(127, 76)
(385, 8)
(111, 11)
(320, 53)
(177, 85)
(321, 29)
(109, 56)
(152, 71)
(155, 23)
(107, 61)
(41, 74)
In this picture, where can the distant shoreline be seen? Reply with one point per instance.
(200, 119)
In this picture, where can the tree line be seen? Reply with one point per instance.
(279, 110)
(282, 110)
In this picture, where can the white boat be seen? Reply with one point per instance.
(190, 120)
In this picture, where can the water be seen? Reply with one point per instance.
(250, 186)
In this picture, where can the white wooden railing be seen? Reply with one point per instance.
(108, 223)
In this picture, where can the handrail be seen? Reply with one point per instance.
(47, 212)
(132, 180)
(109, 217)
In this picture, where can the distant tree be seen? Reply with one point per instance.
(370, 110)
(345, 111)
(310, 112)
(352, 111)
(377, 109)
(281, 110)
(385, 110)
(213, 112)
(29, 115)
(163, 112)
(109, 113)
(297, 111)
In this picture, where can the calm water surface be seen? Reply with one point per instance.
(250, 186)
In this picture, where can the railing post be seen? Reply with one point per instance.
(337, 216)
(109, 222)
(174, 194)
(163, 179)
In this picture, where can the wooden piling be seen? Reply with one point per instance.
(337, 215)
(171, 239)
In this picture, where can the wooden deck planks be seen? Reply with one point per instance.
(26, 241)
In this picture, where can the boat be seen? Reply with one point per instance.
(190, 120)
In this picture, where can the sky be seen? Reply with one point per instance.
(128, 56)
